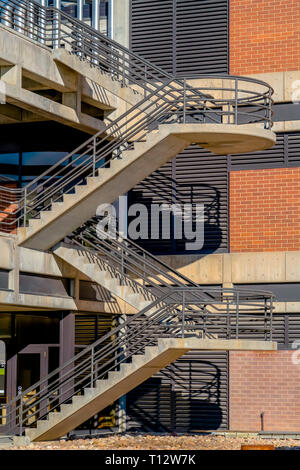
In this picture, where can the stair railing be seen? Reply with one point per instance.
(129, 339)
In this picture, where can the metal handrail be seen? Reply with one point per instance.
(163, 318)
(124, 257)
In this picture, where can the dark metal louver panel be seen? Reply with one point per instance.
(200, 388)
(184, 37)
(201, 178)
(285, 153)
(270, 158)
(294, 149)
(191, 394)
(88, 328)
(155, 189)
(152, 31)
(201, 37)
(194, 177)
(293, 327)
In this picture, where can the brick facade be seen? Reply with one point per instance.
(264, 36)
(265, 210)
(266, 382)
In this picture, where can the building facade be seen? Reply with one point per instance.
(251, 215)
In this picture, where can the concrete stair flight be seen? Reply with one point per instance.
(118, 383)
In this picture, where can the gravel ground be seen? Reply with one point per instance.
(158, 442)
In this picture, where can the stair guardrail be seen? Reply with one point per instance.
(177, 314)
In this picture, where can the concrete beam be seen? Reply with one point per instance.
(52, 110)
(35, 60)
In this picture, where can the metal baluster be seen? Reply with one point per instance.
(184, 100)
(92, 367)
(228, 319)
(237, 316)
(271, 318)
(42, 23)
(94, 156)
(236, 102)
(183, 314)
(56, 26)
(20, 411)
(270, 110)
(25, 206)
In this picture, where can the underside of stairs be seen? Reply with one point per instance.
(118, 383)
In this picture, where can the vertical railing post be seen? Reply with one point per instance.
(25, 206)
(265, 319)
(236, 101)
(228, 319)
(184, 101)
(42, 23)
(270, 110)
(122, 266)
(144, 267)
(92, 367)
(237, 315)
(145, 89)
(183, 315)
(21, 411)
(271, 318)
(94, 156)
(56, 26)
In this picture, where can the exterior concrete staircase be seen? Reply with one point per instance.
(160, 146)
(118, 383)
(171, 115)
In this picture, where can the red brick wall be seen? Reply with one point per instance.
(264, 36)
(264, 382)
(265, 210)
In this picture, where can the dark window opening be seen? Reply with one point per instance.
(46, 285)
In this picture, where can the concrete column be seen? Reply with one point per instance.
(80, 10)
(11, 74)
(66, 351)
(120, 21)
(67, 338)
(14, 274)
(95, 14)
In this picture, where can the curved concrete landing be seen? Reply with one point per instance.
(223, 139)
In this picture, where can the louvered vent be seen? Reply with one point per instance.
(152, 31)
(201, 37)
(189, 395)
(193, 177)
(184, 37)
